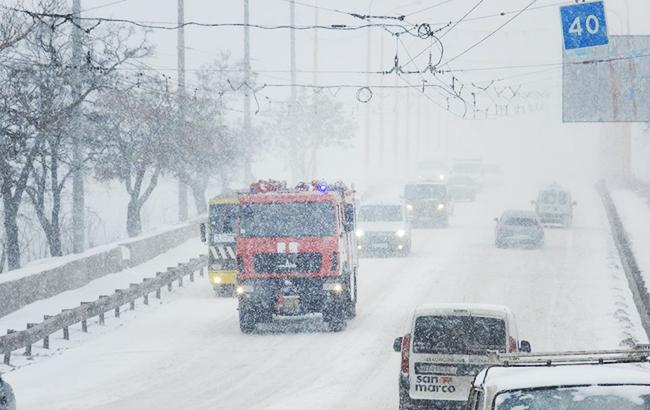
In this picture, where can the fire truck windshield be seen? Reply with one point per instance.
(288, 219)
(223, 218)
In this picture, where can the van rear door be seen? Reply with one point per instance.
(447, 352)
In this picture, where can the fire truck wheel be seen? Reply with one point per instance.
(351, 302)
(335, 316)
(247, 317)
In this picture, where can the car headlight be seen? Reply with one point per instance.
(441, 207)
(400, 233)
(359, 233)
(409, 207)
(216, 280)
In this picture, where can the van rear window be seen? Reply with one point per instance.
(459, 335)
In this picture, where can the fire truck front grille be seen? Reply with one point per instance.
(288, 262)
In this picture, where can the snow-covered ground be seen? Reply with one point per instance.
(634, 211)
(106, 285)
(188, 352)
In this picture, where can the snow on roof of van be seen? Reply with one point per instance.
(512, 378)
(476, 308)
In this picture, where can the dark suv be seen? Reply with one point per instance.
(427, 204)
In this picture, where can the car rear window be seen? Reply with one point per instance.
(459, 334)
(521, 221)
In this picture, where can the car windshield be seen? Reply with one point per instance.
(458, 334)
(295, 219)
(520, 221)
(425, 191)
(609, 397)
(377, 213)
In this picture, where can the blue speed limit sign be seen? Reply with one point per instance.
(584, 25)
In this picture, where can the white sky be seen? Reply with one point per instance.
(529, 141)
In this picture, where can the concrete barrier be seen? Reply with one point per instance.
(18, 289)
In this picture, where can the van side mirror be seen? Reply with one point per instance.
(203, 230)
(348, 212)
(524, 346)
(397, 344)
(496, 220)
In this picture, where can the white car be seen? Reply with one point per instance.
(615, 380)
(446, 346)
(383, 229)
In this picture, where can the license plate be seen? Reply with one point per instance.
(291, 303)
(379, 246)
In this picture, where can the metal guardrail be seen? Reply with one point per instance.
(635, 280)
(35, 332)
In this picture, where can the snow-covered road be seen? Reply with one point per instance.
(189, 353)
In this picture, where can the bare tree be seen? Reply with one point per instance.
(132, 140)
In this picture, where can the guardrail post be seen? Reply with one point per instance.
(132, 303)
(145, 299)
(158, 293)
(169, 286)
(102, 316)
(46, 339)
(192, 276)
(66, 330)
(117, 312)
(28, 348)
(84, 323)
(7, 358)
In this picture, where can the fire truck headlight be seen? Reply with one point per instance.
(242, 289)
(333, 286)
(400, 233)
(360, 233)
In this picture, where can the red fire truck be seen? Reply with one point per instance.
(297, 253)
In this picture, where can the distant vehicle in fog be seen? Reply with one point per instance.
(7, 398)
(435, 170)
(383, 229)
(427, 204)
(567, 380)
(463, 188)
(471, 167)
(519, 228)
(554, 206)
(446, 346)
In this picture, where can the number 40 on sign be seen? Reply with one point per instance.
(584, 25)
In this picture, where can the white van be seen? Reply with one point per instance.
(554, 206)
(446, 347)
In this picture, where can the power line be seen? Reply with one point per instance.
(490, 34)
(428, 8)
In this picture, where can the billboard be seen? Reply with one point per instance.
(609, 83)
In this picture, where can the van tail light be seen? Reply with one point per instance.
(512, 346)
(406, 344)
(334, 265)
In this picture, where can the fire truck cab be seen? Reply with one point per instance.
(297, 253)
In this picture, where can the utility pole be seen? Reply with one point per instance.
(78, 196)
(366, 156)
(396, 170)
(407, 137)
(419, 147)
(313, 162)
(180, 45)
(248, 166)
(382, 121)
(297, 162)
